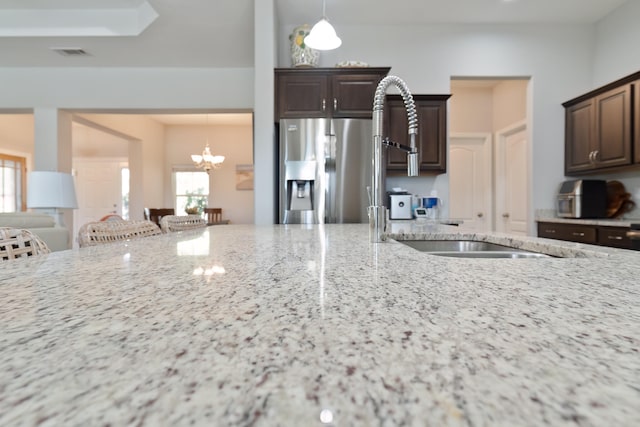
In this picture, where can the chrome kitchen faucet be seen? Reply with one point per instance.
(377, 211)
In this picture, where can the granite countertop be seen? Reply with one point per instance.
(610, 222)
(314, 325)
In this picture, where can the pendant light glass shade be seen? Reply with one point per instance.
(323, 36)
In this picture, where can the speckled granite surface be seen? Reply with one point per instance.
(546, 215)
(607, 222)
(303, 326)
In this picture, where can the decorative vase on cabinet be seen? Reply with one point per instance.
(301, 54)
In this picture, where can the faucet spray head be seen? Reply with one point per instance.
(413, 167)
(412, 164)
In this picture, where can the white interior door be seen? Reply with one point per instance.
(98, 189)
(512, 180)
(470, 189)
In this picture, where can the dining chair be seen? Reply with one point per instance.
(101, 232)
(20, 243)
(156, 214)
(213, 215)
(171, 223)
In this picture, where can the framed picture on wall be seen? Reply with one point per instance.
(244, 177)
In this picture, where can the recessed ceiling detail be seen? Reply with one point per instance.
(35, 18)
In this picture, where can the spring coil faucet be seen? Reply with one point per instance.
(377, 211)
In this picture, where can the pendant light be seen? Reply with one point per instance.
(323, 36)
(206, 160)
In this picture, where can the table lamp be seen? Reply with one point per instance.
(51, 191)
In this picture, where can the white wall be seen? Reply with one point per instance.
(82, 89)
(487, 109)
(470, 110)
(17, 136)
(146, 157)
(233, 142)
(617, 52)
(127, 88)
(265, 54)
(89, 142)
(558, 58)
(509, 104)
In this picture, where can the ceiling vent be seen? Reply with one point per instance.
(70, 51)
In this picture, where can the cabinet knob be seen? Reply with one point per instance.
(505, 215)
(577, 234)
(595, 155)
(614, 237)
(550, 231)
(480, 214)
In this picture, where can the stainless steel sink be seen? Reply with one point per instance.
(469, 249)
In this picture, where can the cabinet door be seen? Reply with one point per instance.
(613, 128)
(636, 122)
(431, 139)
(598, 132)
(579, 136)
(352, 95)
(569, 232)
(301, 96)
(614, 236)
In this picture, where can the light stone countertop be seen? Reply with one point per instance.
(622, 222)
(549, 215)
(313, 325)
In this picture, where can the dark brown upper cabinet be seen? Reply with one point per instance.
(326, 92)
(599, 129)
(431, 138)
(636, 122)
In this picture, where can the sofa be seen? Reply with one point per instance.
(42, 225)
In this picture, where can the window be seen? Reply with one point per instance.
(12, 179)
(124, 191)
(192, 191)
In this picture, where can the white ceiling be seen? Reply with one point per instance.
(219, 33)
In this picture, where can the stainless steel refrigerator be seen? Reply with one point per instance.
(325, 169)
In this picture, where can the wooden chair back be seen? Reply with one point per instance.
(156, 214)
(213, 215)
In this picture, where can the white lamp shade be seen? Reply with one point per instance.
(48, 189)
(323, 36)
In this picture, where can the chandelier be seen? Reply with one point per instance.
(206, 160)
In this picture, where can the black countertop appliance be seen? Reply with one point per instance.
(582, 198)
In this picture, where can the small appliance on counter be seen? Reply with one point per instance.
(400, 205)
(582, 198)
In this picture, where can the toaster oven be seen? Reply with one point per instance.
(582, 198)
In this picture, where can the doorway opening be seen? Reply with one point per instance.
(490, 154)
